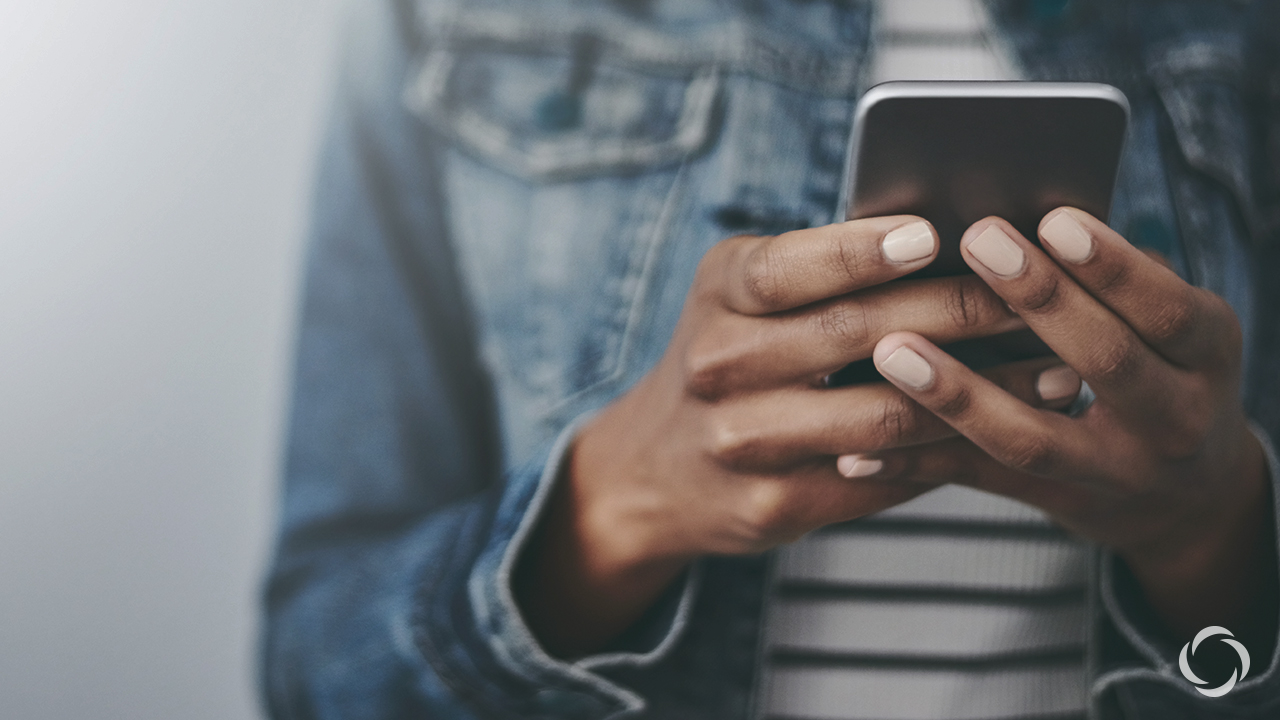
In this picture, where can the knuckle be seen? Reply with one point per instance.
(1035, 453)
(765, 285)
(767, 511)
(1044, 294)
(709, 368)
(848, 323)
(1175, 321)
(1231, 345)
(955, 402)
(1117, 364)
(705, 378)
(965, 305)
(899, 420)
(734, 446)
(710, 271)
(1111, 277)
(845, 260)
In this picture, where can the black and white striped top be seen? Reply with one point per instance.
(958, 605)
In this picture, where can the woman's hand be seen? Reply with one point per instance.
(729, 445)
(1162, 467)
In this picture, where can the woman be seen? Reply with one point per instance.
(547, 415)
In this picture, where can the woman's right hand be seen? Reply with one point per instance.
(729, 445)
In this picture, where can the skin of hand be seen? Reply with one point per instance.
(729, 445)
(1161, 468)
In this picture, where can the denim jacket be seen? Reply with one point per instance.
(512, 201)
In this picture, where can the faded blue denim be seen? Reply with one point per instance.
(512, 201)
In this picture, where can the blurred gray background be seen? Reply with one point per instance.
(155, 164)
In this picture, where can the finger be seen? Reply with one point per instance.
(1185, 324)
(773, 274)
(774, 431)
(782, 508)
(807, 345)
(1158, 257)
(960, 462)
(1019, 436)
(1120, 367)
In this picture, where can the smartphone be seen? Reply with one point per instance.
(956, 152)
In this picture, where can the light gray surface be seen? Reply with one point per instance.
(155, 162)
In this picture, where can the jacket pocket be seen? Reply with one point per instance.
(558, 105)
(564, 150)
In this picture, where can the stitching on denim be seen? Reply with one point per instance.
(427, 644)
(661, 232)
(736, 44)
(493, 602)
(574, 154)
(636, 312)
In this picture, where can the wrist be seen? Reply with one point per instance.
(589, 571)
(621, 513)
(1214, 565)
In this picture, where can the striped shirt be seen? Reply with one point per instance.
(958, 605)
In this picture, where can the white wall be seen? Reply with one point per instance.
(155, 164)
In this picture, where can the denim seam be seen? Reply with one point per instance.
(516, 645)
(684, 610)
(636, 313)
(571, 155)
(431, 650)
(750, 49)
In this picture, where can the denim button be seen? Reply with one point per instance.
(1149, 231)
(1048, 10)
(559, 111)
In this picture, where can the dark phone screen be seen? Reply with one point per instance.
(955, 160)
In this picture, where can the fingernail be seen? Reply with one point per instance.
(1058, 383)
(907, 367)
(1068, 238)
(908, 243)
(856, 466)
(998, 252)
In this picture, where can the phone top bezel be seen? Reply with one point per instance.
(965, 89)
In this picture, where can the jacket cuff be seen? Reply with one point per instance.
(1131, 616)
(564, 689)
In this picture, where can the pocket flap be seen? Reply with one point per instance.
(566, 112)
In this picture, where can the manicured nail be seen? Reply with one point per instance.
(907, 367)
(1068, 238)
(908, 243)
(1058, 383)
(856, 466)
(998, 252)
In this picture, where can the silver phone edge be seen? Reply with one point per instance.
(966, 89)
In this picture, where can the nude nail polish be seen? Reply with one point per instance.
(856, 466)
(998, 252)
(1058, 383)
(908, 243)
(1068, 238)
(907, 367)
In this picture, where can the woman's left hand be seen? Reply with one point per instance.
(1162, 468)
